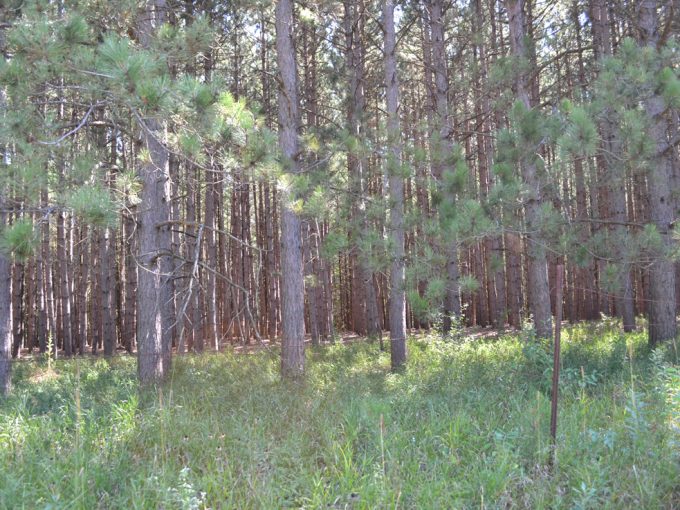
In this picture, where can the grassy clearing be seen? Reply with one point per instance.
(465, 426)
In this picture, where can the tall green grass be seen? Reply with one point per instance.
(464, 426)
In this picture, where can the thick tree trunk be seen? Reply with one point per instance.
(292, 283)
(539, 290)
(396, 183)
(662, 320)
(154, 245)
(154, 319)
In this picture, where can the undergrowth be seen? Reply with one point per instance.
(464, 426)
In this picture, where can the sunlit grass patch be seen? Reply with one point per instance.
(465, 425)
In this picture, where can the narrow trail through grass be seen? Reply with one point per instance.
(464, 426)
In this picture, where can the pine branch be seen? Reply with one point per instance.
(73, 131)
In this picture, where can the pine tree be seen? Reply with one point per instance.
(539, 292)
(5, 261)
(292, 289)
(662, 319)
(397, 300)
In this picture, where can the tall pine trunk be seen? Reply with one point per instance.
(613, 172)
(5, 299)
(441, 149)
(292, 283)
(539, 290)
(153, 319)
(5, 264)
(396, 184)
(662, 320)
(363, 300)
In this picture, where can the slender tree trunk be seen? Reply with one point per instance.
(363, 299)
(312, 295)
(614, 175)
(396, 184)
(106, 245)
(5, 295)
(5, 258)
(48, 287)
(211, 259)
(81, 290)
(18, 309)
(441, 148)
(292, 285)
(38, 285)
(493, 247)
(5, 314)
(32, 303)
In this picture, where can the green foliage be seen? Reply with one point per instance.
(580, 137)
(455, 174)
(94, 205)
(650, 238)
(19, 239)
(261, 149)
(123, 63)
(151, 92)
(129, 186)
(528, 125)
(420, 306)
(611, 279)
(464, 426)
(435, 290)
(198, 36)
(670, 86)
(468, 284)
(75, 31)
(12, 72)
(634, 132)
(334, 243)
(472, 220)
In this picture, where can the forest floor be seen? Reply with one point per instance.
(466, 425)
